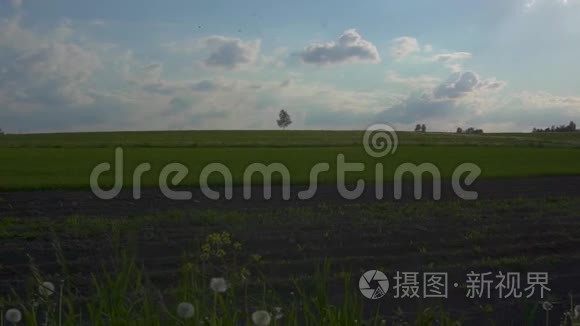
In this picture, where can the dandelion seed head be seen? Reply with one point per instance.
(218, 284)
(13, 315)
(261, 318)
(547, 305)
(46, 289)
(185, 310)
(279, 314)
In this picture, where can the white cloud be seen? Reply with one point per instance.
(230, 53)
(164, 87)
(460, 85)
(453, 56)
(526, 110)
(404, 46)
(452, 60)
(413, 82)
(349, 48)
(149, 78)
(546, 100)
(453, 102)
(54, 73)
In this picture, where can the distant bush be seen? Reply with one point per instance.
(420, 128)
(469, 131)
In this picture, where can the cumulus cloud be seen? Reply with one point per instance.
(349, 48)
(149, 79)
(46, 68)
(230, 53)
(462, 84)
(404, 46)
(457, 85)
(457, 97)
(454, 56)
(51, 74)
(452, 60)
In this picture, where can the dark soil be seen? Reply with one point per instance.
(524, 225)
(55, 203)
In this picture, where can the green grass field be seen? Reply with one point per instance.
(66, 160)
(277, 139)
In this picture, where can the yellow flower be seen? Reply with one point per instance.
(188, 267)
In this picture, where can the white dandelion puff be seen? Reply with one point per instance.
(279, 314)
(576, 312)
(185, 310)
(46, 289)
(547, 305)
(13, 315)
(218, 284)
(261, 318)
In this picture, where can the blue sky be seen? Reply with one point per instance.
(500, 65)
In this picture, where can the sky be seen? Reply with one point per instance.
(498, 65)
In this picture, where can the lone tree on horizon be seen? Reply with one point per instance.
(284, 119)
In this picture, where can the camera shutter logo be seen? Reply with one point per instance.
(374, 278)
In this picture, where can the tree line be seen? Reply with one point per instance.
(469, 131)
(562, 128)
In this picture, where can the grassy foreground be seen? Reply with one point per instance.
(47, 161)
(158, 270)
(124, 296)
